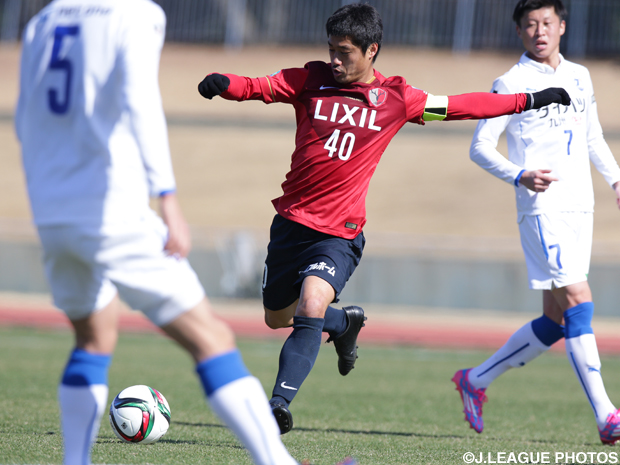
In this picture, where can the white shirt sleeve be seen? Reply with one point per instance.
(25, 78)
(599, 152)
(483, 150)
(139, 64)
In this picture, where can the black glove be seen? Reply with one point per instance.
(546, 97)
(212, 85)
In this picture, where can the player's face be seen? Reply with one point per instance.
(540, 32)
(348, 62)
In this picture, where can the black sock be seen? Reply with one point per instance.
(298, 355)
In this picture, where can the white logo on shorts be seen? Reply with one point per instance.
(322, 266)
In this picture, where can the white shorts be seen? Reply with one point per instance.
(87, 266)
(557, 248)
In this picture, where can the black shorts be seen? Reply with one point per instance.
(296, 251)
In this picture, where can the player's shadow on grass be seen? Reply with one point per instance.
(377, 433)
(335, 430)
(183, 442)
(383, 433)
(203, 443)
(425, 435)
(202, 425)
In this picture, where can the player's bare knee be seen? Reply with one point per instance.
(576, 294)
(581, 295)
(313, 307)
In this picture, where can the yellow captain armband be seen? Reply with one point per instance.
(436, 108)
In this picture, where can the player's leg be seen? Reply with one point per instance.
(334, 259)
(91, 304)
(583, 356)
(569, 236)
(234, 395)
(527, 343)
(277, 319)
(305, 270)
(169, 293)
(301, 348)
(288, 240)
(341, 324)
(83, 389)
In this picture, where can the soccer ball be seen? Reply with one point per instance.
(139, 414)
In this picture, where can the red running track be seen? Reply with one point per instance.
(401, 333)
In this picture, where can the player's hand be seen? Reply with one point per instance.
(546, 97)
(537, 180)
(212, 85)
(179, 240)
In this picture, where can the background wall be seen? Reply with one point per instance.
(441, 231)
(461, 25)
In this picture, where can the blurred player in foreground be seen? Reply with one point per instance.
(95, 147)
(347, 113)
(549, 164)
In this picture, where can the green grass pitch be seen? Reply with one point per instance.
(397, 407)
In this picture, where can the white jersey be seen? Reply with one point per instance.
(562, 139)
(89, 116)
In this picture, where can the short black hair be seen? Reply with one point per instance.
(525, 6)
(359, 22)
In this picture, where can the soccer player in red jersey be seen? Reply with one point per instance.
(347, 113)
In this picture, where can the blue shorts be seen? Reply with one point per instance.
(296, 251)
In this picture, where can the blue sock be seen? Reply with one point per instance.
(84, 369)
(547, 330)
(335, 322)
(578, 320)
(220, 370)
(297, 356)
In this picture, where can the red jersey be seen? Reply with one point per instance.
(342, 131)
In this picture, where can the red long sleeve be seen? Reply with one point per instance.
(482, 105)
(243, 88)
(283, 86)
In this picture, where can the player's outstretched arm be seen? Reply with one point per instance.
(213, 85)
(233, 87)
(483, 105)
(537, 180)
(282, 87)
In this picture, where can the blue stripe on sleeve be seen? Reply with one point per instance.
(518, 178)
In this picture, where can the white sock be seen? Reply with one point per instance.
(583, 356)
(522, 347)
(243, 407)
(81, 408)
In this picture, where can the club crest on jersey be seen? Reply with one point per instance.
(377, 96)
